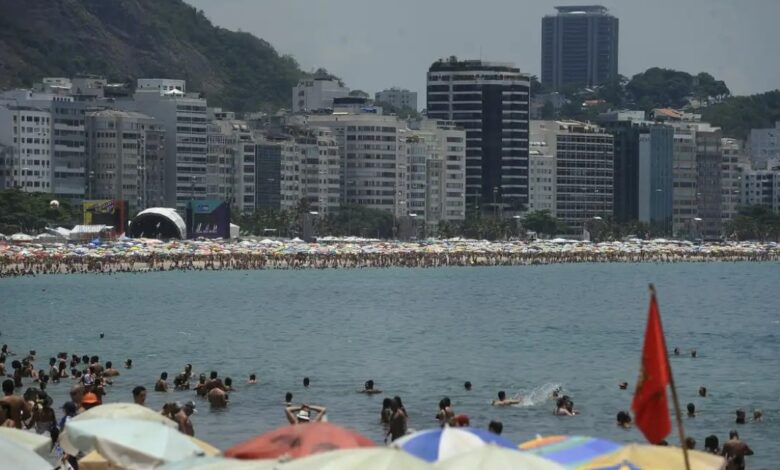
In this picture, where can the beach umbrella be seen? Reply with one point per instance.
(128, 443)
(650, 457)
(37, 443)
(570, 451)
(125, 411)
(442, 443)
(297, 441)
(492, 457)
(95, 461)
(220, 463)
(378, 458)
(19, 457)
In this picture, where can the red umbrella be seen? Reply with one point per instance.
(297, 441)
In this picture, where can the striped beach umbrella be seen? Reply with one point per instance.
(442, 443)
(570, 451)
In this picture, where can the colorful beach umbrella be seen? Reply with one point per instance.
(570, 451)
(650, 457)
(298, 441)
(442, 443)
(377, 458)
(491, 457)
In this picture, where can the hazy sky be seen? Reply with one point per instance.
(378, 44)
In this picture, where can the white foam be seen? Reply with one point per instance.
(537, 395)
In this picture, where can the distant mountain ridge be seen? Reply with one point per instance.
(128, 39)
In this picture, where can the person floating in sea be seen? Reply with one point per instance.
(702, 391)
(623, 385)
(368, 388)
(503, 400)
(691, 410)
(467, 386)
(252, 379)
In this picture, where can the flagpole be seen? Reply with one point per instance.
(676, 402)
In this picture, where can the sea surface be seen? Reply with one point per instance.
(420, 334)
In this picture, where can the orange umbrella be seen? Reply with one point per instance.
(298, 441)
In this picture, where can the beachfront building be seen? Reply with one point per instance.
(373, 168)
(626, 130)
(436, 172)
(318, 92)
(761, 188)
(584, 155)
(655, 177)
(733, 163)
(764, 145)
(184, 118)
(271, 149)
(708, 180)
(230, 161)
(490, 101)
(541, 170)
(26, 134)
(124, 157)
(685, 201)
(579, 47)
(310, 173)
(397, 97)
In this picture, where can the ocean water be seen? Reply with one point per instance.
(420, 334)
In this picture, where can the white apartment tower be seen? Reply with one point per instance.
(311, 94)
(26, 132)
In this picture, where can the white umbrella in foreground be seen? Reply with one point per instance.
(491, 457)
(37, 443)
(19, 457)
(220, 463)
(125, 411)
(374, 458)
(130, 443)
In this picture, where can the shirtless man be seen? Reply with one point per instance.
(218, 398)
(735, 451)
(502, 400)
(182, 418)
(139, 395)
(110, 371)
(162, 383)
(201, 388)
(20, 409)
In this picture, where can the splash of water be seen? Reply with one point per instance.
(537, 395)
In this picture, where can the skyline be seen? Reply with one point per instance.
(371, 56)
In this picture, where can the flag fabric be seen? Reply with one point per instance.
(650, 405)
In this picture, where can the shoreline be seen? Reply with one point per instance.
(138, 256)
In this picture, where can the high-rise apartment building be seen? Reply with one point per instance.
(26, 132)
(655, 193)
(398, 98)
(230, 171)
(685, 200)
(709, 180)
(761, 188)
(272, 148)
(733, 163)
(764, 145)
(584, 155)
(184, 118)
(312, 94)
(579, 47)
(122, 163)
(490, 101)
(311, 172)
(541, 170)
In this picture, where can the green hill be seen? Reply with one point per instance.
(127, 39)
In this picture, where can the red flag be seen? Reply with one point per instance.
(651, 409)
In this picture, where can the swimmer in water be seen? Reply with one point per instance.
(624, 420)
(306, 382)
(503, 401)
(302, 414)
(129, 364)
(693, 353)
(702, 391)
(676, 351)
(467, 386)
(623, 385)
(162, 383)
(368, 388)
(288, 399)
(691, 410)
(252, 379)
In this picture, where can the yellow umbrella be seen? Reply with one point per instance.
(649, 457)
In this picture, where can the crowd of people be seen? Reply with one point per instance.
(89, 380)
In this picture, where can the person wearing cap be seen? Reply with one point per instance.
(182, 418)
(302, 414)
(89, 401)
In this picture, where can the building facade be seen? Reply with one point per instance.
(733, 163)
(311, 94)
(764, 145)
(709, 181)
(685, 200)
(398, 98)
(656, 167)
(490, 101)
(579, 47)
(26, 132)
(761, 188)
(230, 171)
(270, 151)
(542, 169)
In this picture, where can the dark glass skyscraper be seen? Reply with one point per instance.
(490, 101)
(579, 46)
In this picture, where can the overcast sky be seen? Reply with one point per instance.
(375, 44)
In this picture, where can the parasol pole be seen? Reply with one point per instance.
(675, 400)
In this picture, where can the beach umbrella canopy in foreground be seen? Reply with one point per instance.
(125, 411)
(220, 463)
(492, 457)
(442, 443)
(570, 451)
(129, 443)
(37, 443)
(378, 458)
(649, 457)
(18, 457)
(298, 441)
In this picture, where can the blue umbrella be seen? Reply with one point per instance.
(442, 443)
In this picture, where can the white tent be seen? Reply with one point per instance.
(234, 230)
(21, 237)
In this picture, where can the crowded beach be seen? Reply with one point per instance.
(35, 257)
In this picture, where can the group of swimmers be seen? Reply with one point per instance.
(34, 408)
(48, 263)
